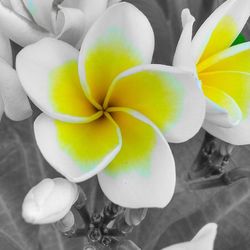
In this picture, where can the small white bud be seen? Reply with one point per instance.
(49, 201)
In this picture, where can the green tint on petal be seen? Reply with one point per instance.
(31, 7)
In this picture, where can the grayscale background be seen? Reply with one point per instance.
(22, 166)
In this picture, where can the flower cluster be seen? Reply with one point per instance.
(107, 110)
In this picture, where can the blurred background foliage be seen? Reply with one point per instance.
(22, 166)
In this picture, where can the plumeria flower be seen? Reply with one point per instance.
(223, 69)
(107, 109)
(13, 100)
(204, 240)
(30, 20)
(49, 201)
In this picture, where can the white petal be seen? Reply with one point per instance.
(70, 24)
(15, 26)
(183, 57)
(143, 173)
(16, 103)
(41, 12)
(168, 96)
(19, 7)
(221, 28)
(237, 135)
(48, 72)
(78, 151)
(113, 45)
(92, 11)
(5, 49)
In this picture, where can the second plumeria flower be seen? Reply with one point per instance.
(108, 111)
(223, 69)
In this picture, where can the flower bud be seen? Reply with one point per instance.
(49, 201)
(66, 224)
(134, 217)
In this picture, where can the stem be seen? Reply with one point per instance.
(84, 214)
(212, 159)
(225, 179)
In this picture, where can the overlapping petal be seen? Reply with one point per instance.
(237, 135)
(221, 108)
(78, 151)
(18, 26)
(235, 58)
(70, 24)
(221, 28)
(20, 8)
(143, 173)
(5, 49)
(92, 8)
(233, 83)
(235, 88)
(16, 103)
(169, 97)
(113, 45)
(48, 72)
(41, 12)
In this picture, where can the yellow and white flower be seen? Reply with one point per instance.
(106, 109)
(223, 69)
(28, 21)
(203, 240)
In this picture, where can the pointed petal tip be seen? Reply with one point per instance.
(186, 16)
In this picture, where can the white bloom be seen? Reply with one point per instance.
(30, 20)
(49, 201)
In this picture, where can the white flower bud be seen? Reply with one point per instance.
(49, 201)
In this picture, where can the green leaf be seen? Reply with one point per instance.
(240, 39)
